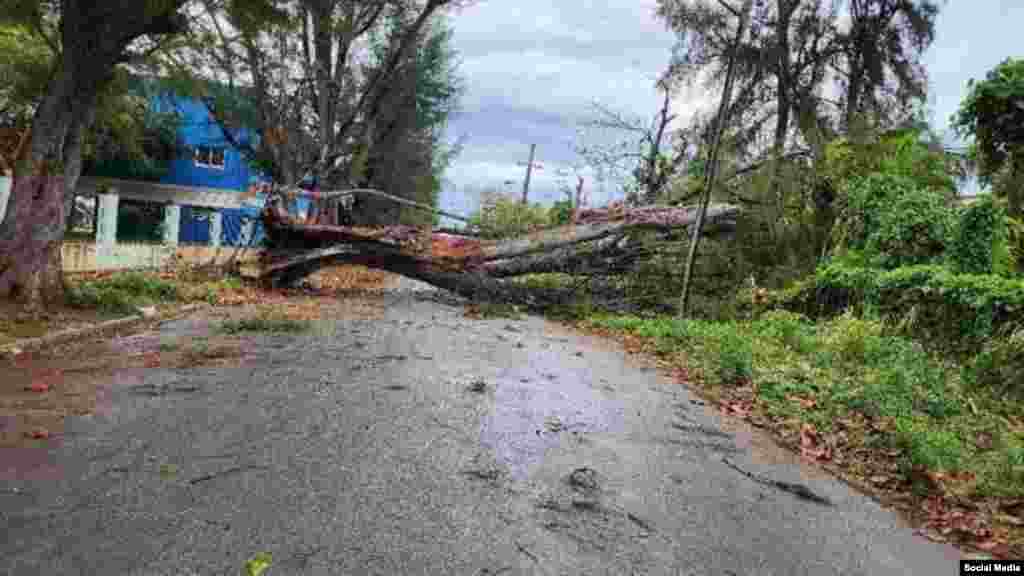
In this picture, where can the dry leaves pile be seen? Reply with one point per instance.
(447, 246)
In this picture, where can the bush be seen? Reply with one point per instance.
(560, 212)
(999, 367)
(960, 312)
(895, 222)
(504, 216)
(914, 229)
(981, 243)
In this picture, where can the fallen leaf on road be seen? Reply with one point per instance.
(739, 408)
(38, 434)
(38, 386)
(811, 445)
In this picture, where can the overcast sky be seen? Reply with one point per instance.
(532, 68)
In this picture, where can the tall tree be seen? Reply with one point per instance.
(91, 39)
(992, 114)
(779, 67)
(318, 89)
(408, 154)
(880, 68)
(650, 154)
(799, 51)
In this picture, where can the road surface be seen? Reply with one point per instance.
(412, 440)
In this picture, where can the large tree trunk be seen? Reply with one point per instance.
(474, 268)
(30, 263)
(33, 227)
(94, 36)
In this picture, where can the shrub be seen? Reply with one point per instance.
(895, 222)
(914, 229)
(869, 198)
(560, 212)
(856, 340)
(999, 367)
(960, 312)
(981, 243)
(503, 216)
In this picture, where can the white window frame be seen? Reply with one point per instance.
(204, 157)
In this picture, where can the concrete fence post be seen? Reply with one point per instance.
(172, 224)
(106, 229)
(5, 192)
(216, 228)
(248, 229)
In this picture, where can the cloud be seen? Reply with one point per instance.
(532, 69)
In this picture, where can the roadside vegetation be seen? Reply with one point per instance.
(859, 312)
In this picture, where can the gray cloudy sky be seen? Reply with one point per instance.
(532, 68)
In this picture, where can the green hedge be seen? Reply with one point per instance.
(936, 304)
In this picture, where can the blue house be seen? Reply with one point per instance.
(209, 161)
(199, 178)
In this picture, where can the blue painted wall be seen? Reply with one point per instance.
(199, 129)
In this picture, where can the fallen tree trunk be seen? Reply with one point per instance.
(469, 266)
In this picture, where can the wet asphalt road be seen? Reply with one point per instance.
(422, 442)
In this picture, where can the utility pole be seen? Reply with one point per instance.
(721, 119)
(529, 169)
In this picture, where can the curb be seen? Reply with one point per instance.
(63, 336)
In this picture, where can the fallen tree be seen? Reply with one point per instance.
(599, 242)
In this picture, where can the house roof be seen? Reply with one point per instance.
(236, 103)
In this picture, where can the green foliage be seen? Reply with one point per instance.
(725, 349)
(25, 63)
(560, 212)
(993, 113)
(981, 244)
(914, 229)
(845, 366)
(959, 312)
(885, 204)
(999, 367)
(503, 216)
(930, 447)
(121, 293)
(900, 153)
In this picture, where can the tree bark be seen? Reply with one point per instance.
(33, 227)
(476, 268)
(30, 265)
(720, 121)
(94, 37)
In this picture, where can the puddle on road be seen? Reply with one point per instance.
(538, 409)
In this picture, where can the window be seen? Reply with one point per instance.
(209, 157)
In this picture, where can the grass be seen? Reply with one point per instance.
(850, 379)
(264, 324)
(125, 292)
(122, 293)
